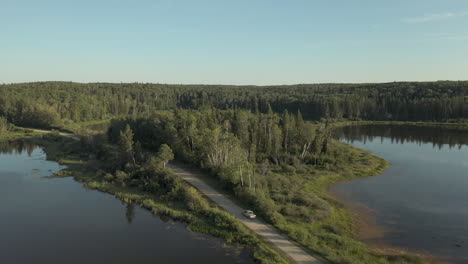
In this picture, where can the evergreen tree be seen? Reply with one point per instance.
(126, 145)
(285, 125)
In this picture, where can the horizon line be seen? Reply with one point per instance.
(220, 84)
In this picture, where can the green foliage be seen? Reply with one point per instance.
(165, 154)
(54, 133)
(278, 165)
(126, 145)
(4, 125)
(121, 177)
(159, 190)
(109, 177)
(58, 104)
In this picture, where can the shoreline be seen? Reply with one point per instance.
(84, 171)
(368, 165)
(364, 222)
(367, 229)
(18, 135)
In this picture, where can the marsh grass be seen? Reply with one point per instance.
(18, 134)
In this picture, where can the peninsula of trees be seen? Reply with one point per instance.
(252, 142)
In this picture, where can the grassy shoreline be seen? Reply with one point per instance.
(334, 236)
(18, 133)
(332, 245)
(340, 218)
(207, 218)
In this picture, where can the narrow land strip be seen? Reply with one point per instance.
(48, 131)
(296, 253)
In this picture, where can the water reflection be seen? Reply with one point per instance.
(17, 147)
(130, 212)
(400, 134)
(164, 218)
(58, 221)
(421, 200)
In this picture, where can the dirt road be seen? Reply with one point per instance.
(49, 131)
(293, 251)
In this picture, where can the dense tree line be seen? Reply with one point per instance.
(4, 125)
(240, 148)
(49, 104)
(140, 176)
(278, 138)
(267, 160)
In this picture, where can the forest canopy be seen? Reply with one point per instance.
(53, 104)
(275, 164)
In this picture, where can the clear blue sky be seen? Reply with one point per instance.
(233, 42)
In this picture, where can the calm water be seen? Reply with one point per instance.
(56, 220)
(422, 199)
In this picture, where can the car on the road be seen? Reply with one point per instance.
(249, 214)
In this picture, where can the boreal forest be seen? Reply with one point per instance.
(256, 144)
(54, 104)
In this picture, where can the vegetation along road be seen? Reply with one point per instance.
(49, 131)
(296, 253)
(293, 251)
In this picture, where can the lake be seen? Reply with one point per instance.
(56, 220)
(421, 201)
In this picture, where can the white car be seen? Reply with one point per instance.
(248, 214)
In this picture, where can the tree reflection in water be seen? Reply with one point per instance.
(17, 147)
(399, 134)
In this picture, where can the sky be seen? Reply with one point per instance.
(257, 42)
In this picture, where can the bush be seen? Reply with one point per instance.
(265, 206)
(194, 200)
(121, 177)
(108, 177)
(55, 133)
(289, 169)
